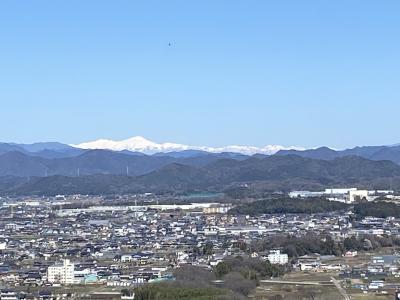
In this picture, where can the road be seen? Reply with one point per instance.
(340, 289)
(297, 282)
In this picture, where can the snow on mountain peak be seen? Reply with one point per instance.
(141, 144)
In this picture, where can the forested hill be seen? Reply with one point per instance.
(379, 209)
(289, 206)
(264, 173)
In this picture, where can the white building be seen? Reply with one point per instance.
(346, 195)
(342, 191)
(3, 246)
(126, 258)
(305, 194)
(8, 295)
(61, 272)
(275, 257)
(216, 209)
(357, 195)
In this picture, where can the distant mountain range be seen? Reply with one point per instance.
(127, 166)
(140, 144)
(46, 150)
(391, 153)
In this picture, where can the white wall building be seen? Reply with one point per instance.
(8, 295)
(275, 257)
(346, 195)
(216, 209)
(3, 246)
(305, 194)
(61, 272)
(358, 194)
(342, 191)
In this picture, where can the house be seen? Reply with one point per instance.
(309, 262)
(350, 254)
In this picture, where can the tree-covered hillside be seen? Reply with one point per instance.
(288, 206)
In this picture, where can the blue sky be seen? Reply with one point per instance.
(304, 73)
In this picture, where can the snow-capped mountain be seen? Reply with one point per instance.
(140, 144)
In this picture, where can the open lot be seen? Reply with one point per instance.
(313, 286)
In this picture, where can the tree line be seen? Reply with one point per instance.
(313, 205)
(289, 205)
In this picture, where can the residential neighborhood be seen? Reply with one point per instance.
(52, 245)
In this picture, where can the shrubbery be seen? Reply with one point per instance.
(298, 246)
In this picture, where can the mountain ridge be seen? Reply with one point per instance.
(141, 144)
(273, 173)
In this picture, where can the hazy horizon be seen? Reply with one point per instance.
(288, 146)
